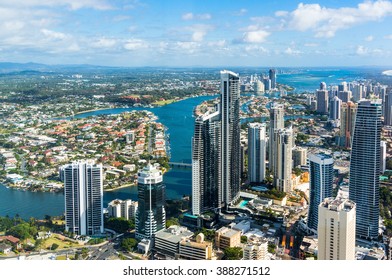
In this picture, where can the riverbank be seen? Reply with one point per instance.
(120, 187)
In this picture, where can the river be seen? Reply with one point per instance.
(177, 117)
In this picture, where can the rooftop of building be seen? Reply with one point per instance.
(228, 232)
(338, 204)
(174, 234)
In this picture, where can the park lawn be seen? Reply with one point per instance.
(164, 102)
(59, 222)
(62, 244)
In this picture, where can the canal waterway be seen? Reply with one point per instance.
(177, 117)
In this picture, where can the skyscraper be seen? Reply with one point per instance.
(364, 187)
(272, 77)
(336, 229)
(383, 157)
(256, 152)
(283, 164)
(216, 151)
(334, 108)
(388, 109)
(206, 179)
(300, 155)
(321, 180)
(322, 101)
(276, 122)
(347, 122)
(83, 193)
(230, 136)
(151, 214)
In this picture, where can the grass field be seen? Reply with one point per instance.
(62, 244)
(164, 102)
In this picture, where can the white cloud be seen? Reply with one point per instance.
(361, 50)
(199, 31)
(255, 49)
(53, 34)
(135, 44)
(388, 36)
(281, 13)
(365, 51)
(71, 4)
(198, 36)
(255, 36)
(241, 12)
(325, 22)
(121, 18)
(311, 45)
(220, 43)
(104, 43)
(191, 16)
(292, 51)
(369, 38)
(188, 16)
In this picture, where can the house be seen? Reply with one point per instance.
(5, 248)
(13, 240)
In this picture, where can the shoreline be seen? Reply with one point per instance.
(150, 106)
(120, 187)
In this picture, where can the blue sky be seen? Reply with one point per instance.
(197, 33)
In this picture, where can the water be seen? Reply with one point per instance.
(177, 117)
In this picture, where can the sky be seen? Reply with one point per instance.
(197, 33)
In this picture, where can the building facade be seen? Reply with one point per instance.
(347, 123)
(206, 179)
(336, 229)
(272, 77)
(364, 182)
(388, 109)
(256, 248)
(300, 156)
(122, 208)
(83, 193)
(276, 123)
(151, 214)
(230, 137)
(216, 151)
(321, 180)
(283, 164)
(257, 145)
(322, 101)
(335, 108)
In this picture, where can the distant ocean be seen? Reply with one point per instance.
(177, 117)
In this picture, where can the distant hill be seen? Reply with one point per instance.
(31, 67)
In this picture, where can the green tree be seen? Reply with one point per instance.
(172, 221)
(120, 225)
(244, 239)
(23, 231)
(54, 246)
(38, 244)
(271, 248)
(129, 244)
(233, 253)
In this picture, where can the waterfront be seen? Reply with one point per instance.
(178, 181)
(177, 117)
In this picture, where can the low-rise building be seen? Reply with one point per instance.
(196, 250)
(227, 237)
(167, 241)
(5, 248)
(256, 248)
(122, 208)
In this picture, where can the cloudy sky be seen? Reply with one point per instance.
(197, 33)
